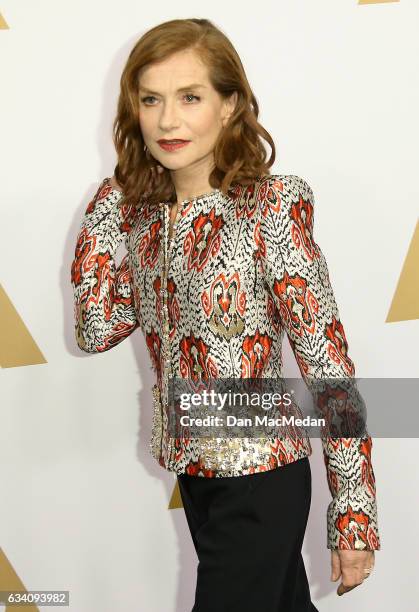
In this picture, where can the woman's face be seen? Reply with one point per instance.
(177, 101)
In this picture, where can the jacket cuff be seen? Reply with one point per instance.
(352, 522)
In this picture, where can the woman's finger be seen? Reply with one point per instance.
(351, 578)
(344, 589)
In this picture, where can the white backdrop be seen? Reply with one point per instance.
(84, 507)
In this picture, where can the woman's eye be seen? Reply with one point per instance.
(146, 99)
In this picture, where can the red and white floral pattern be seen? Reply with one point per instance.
(244, 270)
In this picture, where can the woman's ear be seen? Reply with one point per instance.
(230, 105)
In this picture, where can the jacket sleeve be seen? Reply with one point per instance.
(297, 276)
(104, 311)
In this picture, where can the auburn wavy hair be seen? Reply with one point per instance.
(239, 154)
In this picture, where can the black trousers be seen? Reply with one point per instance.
(248, 534)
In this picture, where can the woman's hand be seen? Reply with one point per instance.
(351, 565)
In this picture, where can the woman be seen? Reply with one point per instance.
(222, 262)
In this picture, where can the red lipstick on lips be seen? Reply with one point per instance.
(172, 145)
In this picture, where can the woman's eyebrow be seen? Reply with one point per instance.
(185, 88)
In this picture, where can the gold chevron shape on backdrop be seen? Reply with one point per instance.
(175, 500)
(376, 1)
(405, 303)
(10, 581)
(17, 347)
(3, 24)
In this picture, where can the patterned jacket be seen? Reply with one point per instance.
(244, 270)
